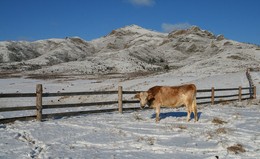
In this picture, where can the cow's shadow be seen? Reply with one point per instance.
(175, 114)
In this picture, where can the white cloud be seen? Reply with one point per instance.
(142, 2)
(172, 27)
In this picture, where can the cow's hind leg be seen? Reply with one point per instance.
(188, 112)
(188, 115)
(188, 105)
(194, 107)
(157, 114)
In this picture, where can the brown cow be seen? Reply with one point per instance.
(166, 96)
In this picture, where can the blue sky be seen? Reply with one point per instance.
(89, 19)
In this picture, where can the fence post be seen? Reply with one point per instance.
(254, 91)
(251, 84)
(212, 95)
(240, 94)
(120, 99)
(39, 102)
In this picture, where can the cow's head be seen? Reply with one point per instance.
(144, 97)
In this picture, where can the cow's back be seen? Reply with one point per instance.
(173, 96)
(186, 89)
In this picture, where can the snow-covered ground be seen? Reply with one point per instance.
(134, 134)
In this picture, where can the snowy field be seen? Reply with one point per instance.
(230, 130)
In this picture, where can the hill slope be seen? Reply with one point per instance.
(130, 49)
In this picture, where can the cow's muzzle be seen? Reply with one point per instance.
(142, 106)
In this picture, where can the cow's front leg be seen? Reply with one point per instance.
(157, 113)
(188, 108)
(188, 115)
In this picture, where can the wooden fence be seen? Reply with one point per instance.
(210, 97)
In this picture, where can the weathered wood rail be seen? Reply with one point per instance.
(236, 94)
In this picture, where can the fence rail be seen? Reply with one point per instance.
(39, 97)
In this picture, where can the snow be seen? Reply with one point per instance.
(125, 136)
(134, 134)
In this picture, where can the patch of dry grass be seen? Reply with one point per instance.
(148, 140)
(182, 127)
(221, 131)
(238, 148)
(174, 127)
(224, 102)
(212, 134)
(218, 121)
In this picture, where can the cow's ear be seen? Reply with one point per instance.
(137, 96)
(150, 96)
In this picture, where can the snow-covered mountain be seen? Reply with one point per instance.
(130, 49)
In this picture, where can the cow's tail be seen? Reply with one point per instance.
(194, 106)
